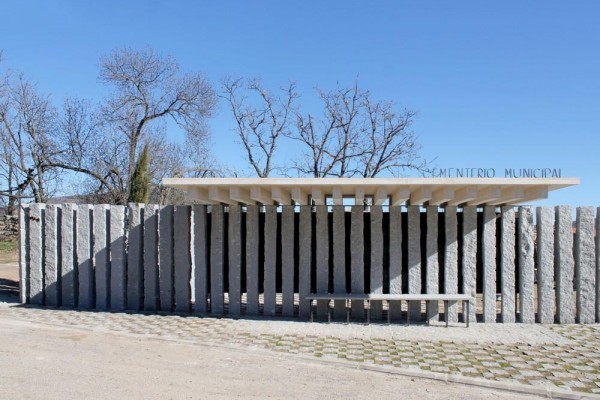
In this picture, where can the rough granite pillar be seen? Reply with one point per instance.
(101, 257)
(151, 273)
(270, 275)
(395, 308)
(165, 258)
(36, 254)
(376, 259)
(598, 265)
(182, 258)
(135, 262)
(469, 257)
(51, 262)
(23, 254)
(545, 264)
(217, 248)
(451, 260)
(585, 265)
(85, 270)
(304, 262)
(489, 264)
(252, 241)
(287, 260)
(432, 265)
(526, 304)
(339, 258)
(507, 264)
(322, 257)
(200, 259)
(414, 259)
(564, 265)
(357, 250)
(117, 258)
(235, 259)
(68, 282)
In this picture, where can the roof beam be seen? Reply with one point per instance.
(420, 196)
(219, 195)
(381, 195)
(400, 196)
(485, 196)
(317, 196)
(299, 196)
(337, 197)
(463, 196)
(240, 195)
(535, 193)
(509, 195)
(359, 197)
(281, 196)
(441, 196)
(200, 195)
(260, 195)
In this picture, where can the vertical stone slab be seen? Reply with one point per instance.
(507, 264)
(489, 264)
(252, 253)
(51, 262)
(451, 260)
(526, 304)
(545, 264)
(322, 257)
(217, 248)
(395, 308)
(135, 262)
(414, 259)
(598, 265)
(200, 259)
(23, 254)
(151, 273)
(270, 260)
(585, 265)
(469, 257)
(118, 272)
(357, 266)
(165, 257)
(36, 254)
(339, 258)
(68, 279)
(287, 260)
(85, 271)
(432, 266)
(235, 260)
(304, 262)
(376, 258)
(182, 259)
(564, 264)
(101, 256)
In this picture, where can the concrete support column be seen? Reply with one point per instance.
(432, 266)
(217, 247)
(67, 251)
(339, 258)
(287, 260)
(585, 265)
(51, 261)
(489, 264)
(182, 259)
(376, 259)
(414, 259)
(322, 256)
(598, 264)
(235, 260)
(117, 258)
(165, 254)
(507, 264)
(395, 260)
(200, 256)
(564, 264)
(85, 270)
(252, 240)
(151, 272)
(270, 260)
(304, 262)
(357, 266)
(526, 305)
(24, 254)
(36, 255)
(469, 257)
(135, 264)
(545, 264)
(101, 256)
(451, 260)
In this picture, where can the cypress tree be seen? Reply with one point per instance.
(140, 181)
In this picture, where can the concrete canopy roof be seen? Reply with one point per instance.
(413, 191)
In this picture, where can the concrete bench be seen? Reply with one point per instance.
(465, 299)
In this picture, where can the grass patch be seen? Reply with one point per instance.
(9, 247)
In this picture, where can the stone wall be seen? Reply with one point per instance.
(9, 228)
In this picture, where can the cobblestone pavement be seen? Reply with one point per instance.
(572, 363)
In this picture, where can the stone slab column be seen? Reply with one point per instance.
(564, 264)
(322, 257)
(252, 242)
(200, 252)
(357, 262)
(507, 264)
(182, 258)
(51, 262)
(395, 260)
(68, 279)
(85, 269)
(235, 259)
(117, 240)
(489, 264)
(270, 261)
(36, 255)
(151, 271)
(135, 262)
(23, 254)
(598, 264)
(585, 265)
(287, 260)
(305, 259)
(217, 248)
(451, 260)
(376, 259)
(526, 304)
(469, 257)
(545, 264)
(432, 265)
(414, 259)
(165, 258)
(101, 256)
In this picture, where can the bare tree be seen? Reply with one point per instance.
(261, 123)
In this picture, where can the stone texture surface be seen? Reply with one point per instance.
(489, 263)
(235, 259)
(322, 233)
(395, 259)
(432, 264)
(304, 261)
(451, 261)
(165, 257)
(182, 258)
(507, 264)
(287, 260)
(101, 256)
(85, 272)
(414, 258)
(252, 237)
(585, 265)
(339, 258)
(36, 254)
(151, 272)
(598, 264)
(68, 279)
(117, 258)
(23, 255)
(200, 257)
(216, 260)
(469, 260)
(564, 264)
(135, 261)
(525, 255)
(376, 259)
(357, 250)
(51, 261)
(545, 264)
(270, 260)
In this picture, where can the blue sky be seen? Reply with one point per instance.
(502, 84)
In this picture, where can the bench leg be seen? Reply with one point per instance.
(407, 312)
(328, 312)
(348, 304)
(446, 311)
(468, 317)
(312, 310)
(389, 302)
